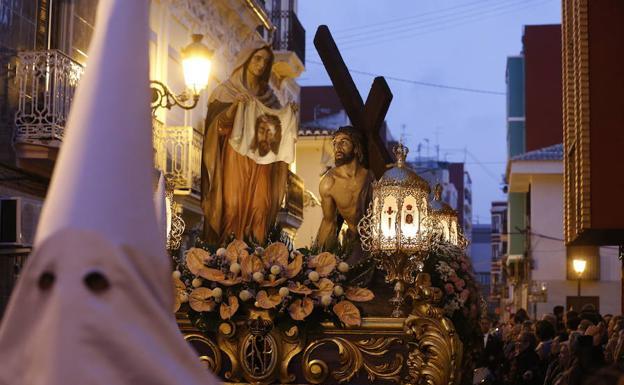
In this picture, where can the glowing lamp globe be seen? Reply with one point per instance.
(579, 265)
(196, 63)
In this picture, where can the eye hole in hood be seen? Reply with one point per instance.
(46, 281)
(96, 282)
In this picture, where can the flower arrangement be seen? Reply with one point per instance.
(451, 271)
(222, 284)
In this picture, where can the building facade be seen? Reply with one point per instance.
(499, 292)
(550, 278)
(481, 257)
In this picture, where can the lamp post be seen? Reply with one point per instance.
(579, 267)
(196, 63)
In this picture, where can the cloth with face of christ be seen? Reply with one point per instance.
(263, 134)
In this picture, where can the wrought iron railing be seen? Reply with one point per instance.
(290, 34)
(47, 82)
(177, 153)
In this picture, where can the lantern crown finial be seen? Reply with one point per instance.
(400, 153)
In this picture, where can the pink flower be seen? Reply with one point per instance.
(449, 288)
(454, 278)
(464, 266)
(460, 284)
(464, 295)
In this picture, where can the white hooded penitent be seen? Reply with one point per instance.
(94, 302)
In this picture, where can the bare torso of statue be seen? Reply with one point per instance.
(344, 189)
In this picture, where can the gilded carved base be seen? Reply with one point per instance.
(420, 349)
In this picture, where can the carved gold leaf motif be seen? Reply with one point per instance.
(235, 251)
(294, 267)
(324, 263)
(195, 259)
(301, 308)
(275, 254)
(359, 294)
(212, 274)
(227, 311)
(299, 288)
(348, 313)
(200, 299)
(325, 287)
(266, 301)
(249, 265)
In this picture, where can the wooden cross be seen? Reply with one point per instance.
(367, 117)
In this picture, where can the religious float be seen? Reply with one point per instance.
(394, 301)
(405, 313)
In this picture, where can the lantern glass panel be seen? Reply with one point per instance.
(444, 226)
(454, 238)
(388, 217)
(410, 218)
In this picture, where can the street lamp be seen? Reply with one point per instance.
(579, 267)
(196, 64)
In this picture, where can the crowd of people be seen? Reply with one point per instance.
(563, 348)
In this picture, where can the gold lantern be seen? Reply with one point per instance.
(443, 220)
(395, 228)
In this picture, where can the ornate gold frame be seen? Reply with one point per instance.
(422, 348)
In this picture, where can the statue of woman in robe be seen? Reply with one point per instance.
(239, 196)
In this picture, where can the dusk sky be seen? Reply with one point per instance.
(457, 43)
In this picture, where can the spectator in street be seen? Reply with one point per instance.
(492, 354)
(545, 332)
(525, 364)
(558, 312)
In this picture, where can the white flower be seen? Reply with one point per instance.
(338, 291)
(235, 268)
(283, 291)
(258, 276)
(176, 274)
(314, 276)
(326, 300)
(217, 292)
(343, 267)
(197, 282)
(244, 295)
(275, 269)
(221, 252)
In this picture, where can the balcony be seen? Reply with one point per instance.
(47, 82)
(288, 44)
(177, 153)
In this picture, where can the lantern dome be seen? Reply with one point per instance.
(402, 176)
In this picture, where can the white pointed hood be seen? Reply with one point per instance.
(94, 302)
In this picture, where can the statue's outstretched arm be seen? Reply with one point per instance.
(326, 237)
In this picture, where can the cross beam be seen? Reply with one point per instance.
(367, 117)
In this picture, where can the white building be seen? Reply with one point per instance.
(539, 175)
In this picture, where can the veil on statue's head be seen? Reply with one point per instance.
(236, 84)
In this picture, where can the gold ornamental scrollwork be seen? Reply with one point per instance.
(434, 349)
(353, 357)
(259, 353)
(212, 363)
